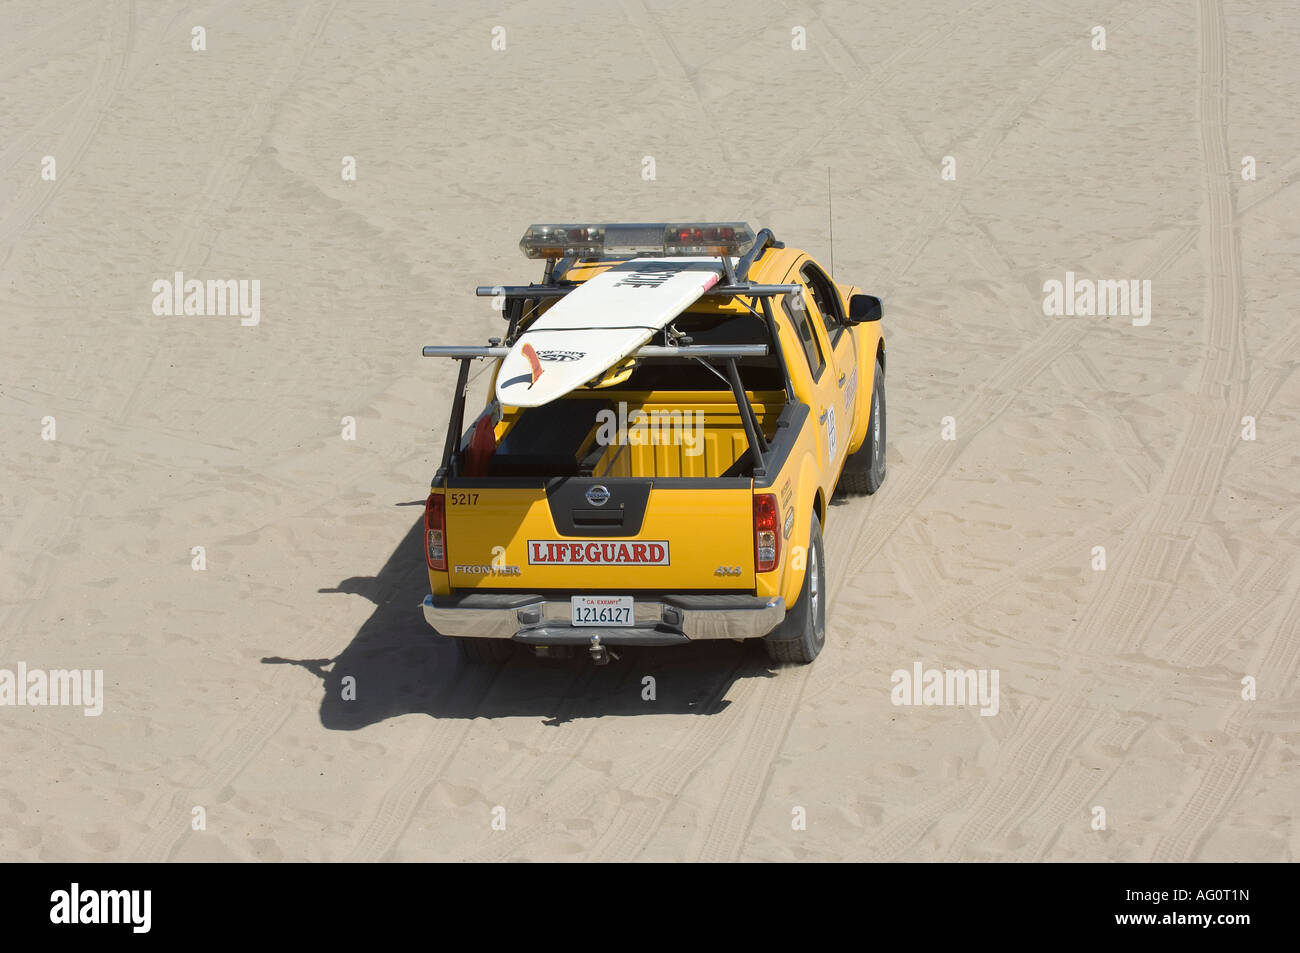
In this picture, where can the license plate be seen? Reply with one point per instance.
(601, 610)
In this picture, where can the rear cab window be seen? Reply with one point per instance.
(801, 321)
(826, 300)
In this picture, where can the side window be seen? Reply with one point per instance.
(827, 300)
(812, 348)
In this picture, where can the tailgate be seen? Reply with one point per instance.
(601, 534)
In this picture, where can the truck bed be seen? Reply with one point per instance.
(565, 438)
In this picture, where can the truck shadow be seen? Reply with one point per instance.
(399, 666)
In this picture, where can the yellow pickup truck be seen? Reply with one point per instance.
(682, 494)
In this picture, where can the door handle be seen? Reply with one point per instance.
(822, 418)
(843, 378)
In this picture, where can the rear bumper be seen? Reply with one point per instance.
(538, 620)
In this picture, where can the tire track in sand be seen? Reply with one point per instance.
(1123, 610)
(236, 742)
(44, 519)
(689, 747)
(401, 800)
(743, 791)
(1130, 601)
(105, 85)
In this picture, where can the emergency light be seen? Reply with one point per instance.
(630, 240)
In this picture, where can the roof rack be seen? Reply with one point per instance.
(557, 243)
(729, 354)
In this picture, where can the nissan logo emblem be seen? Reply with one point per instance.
(597, 495)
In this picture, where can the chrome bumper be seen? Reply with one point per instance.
(537, 620)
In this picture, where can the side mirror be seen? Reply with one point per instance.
(864, 308)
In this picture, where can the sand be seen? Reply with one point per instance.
(1120, 688)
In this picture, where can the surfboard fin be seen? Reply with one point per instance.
(616, 374)
(534, 363)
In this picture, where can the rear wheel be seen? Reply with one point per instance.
(802, 634)
(864, 472)
(486, 651)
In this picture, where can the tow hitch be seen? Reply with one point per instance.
(599, 653)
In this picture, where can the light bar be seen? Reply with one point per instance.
(718, 351)
(559, 291)
(631, 240)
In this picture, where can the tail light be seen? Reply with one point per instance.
(435, 532)
(767, 532)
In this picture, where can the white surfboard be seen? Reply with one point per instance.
(598, 324)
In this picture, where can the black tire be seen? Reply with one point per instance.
(864, 472)
(486, 651)
(802, 634)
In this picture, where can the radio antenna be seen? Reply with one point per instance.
(830, 220)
